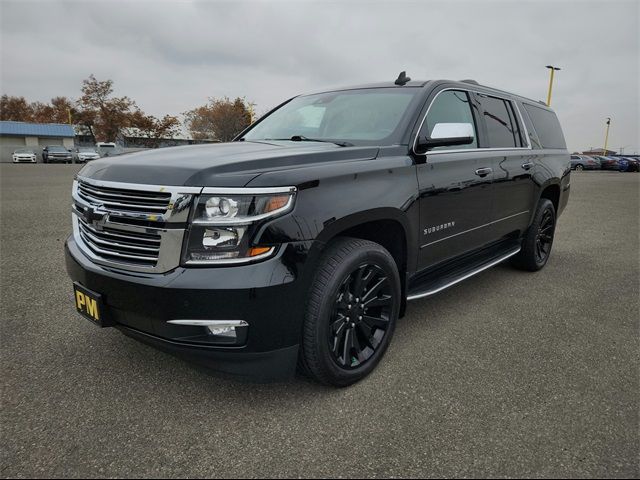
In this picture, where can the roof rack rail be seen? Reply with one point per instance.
(469, 80)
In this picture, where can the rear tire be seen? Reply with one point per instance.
(537, 242)
(351, 312)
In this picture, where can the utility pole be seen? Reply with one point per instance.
(553, 69)
(606, 136)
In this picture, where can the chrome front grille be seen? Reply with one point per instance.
(131, 226)
(119, 245)
(139, 201)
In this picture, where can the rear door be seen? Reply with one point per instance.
(455, 185)
(512, 162)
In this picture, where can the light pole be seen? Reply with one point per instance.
(606, 136)
(553, 69)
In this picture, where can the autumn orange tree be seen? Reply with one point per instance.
(220, 119)
(58, 111)
(20, 110)
(105, 115)
(15, 108)
(154, 128)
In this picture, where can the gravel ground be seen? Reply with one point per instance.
(506, 374)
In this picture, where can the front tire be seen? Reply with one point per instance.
(351, 314)
(537, 243)
(579, 167)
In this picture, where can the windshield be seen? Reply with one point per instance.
(86, 150)
(56, 149)
(361, 116)
(23, 150)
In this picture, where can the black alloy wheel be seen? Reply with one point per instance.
(544, 238)
(538, 240)
(361, 316)
(351, 312)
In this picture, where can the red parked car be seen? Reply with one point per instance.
(608, 163)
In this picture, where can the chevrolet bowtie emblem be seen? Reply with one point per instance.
(95, 218)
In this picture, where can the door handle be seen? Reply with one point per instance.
(527, 165)
(483, 172)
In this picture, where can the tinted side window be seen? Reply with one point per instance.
(502, 130)
(533, 136)
(515, 121)
(450, 106)
(547, 126)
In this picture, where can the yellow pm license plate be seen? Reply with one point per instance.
(90, 305)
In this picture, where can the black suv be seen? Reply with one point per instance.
(56, 153)
(300, 243)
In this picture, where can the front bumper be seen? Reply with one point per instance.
(269, 296)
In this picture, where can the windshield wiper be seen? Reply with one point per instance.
(302, 138)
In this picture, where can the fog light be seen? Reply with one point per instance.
(220, 328)
(222, 331)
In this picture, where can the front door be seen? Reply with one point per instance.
(455, 186)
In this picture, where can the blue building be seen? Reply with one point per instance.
(35, 136)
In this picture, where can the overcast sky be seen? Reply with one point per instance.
(171, 56)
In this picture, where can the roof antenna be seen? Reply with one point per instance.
(402, 78)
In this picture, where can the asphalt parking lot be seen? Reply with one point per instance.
(506, 374)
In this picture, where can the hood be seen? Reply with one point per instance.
(218, 165)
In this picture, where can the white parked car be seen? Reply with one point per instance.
(107, 149)
(24, 155)
(85, 154)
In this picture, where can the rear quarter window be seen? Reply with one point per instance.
(499, 118)
(547, 127)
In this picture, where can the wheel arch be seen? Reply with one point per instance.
(388, 227)
(551, 192)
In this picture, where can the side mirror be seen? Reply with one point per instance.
(448, 134)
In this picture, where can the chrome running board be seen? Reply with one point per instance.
(436, 287)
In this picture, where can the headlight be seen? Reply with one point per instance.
(224, 222)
